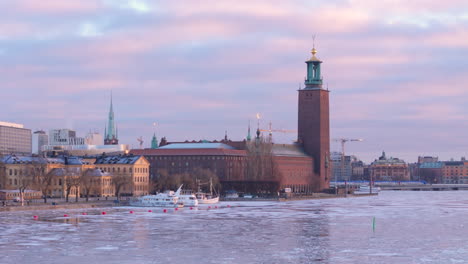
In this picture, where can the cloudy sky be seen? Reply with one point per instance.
(397, 69)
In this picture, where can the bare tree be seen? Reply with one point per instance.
(44, 182)
(28, 177)
(88, 182)
(120, 181)
(261, 166)
(72, 180)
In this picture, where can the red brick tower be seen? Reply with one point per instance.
(314, 122)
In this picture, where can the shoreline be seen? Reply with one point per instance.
(320, 196)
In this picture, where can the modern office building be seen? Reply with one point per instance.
(59, 137)
(341, 168)
(39, 140)
(14, 139)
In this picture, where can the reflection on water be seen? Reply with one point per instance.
(411, 227)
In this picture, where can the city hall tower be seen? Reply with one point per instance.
(314, 122)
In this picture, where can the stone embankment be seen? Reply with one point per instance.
(55, 206)
(296, 198)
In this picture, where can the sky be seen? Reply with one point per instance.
(396, 69)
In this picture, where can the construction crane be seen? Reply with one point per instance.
(140, 139)
(270, 131)
(343, 141)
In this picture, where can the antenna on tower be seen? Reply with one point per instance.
(313, 41)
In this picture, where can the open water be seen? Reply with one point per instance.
(410, 227)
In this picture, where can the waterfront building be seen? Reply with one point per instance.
(39, 140)
(20, 171)
(130, 173)
(101, 183)
(258, 165)
(389, 169)
(454, 172)
(431, 172)
(14, 139)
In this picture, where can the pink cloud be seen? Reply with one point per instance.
(55, 6)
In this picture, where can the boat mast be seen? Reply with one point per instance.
(211, 186)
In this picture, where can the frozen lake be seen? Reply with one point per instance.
(411, 227)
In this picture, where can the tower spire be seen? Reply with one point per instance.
(314, 78)
(249, 137)
(111, 137)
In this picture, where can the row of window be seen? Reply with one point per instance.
(124, 170)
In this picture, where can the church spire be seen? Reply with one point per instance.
(154, 142)
(110, 137)
(249, 137)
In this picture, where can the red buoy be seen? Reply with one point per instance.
(191, 208)
(84, 213)
(228, 205)
(150, 211)
(216, 206)
(177, 209)
(131, 212)
(165, 210)
(209, 207)
(65, 215)
(103, 213)
(35, 217)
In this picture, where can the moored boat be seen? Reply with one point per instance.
(166, 199)
(188, 200)
(205, 198)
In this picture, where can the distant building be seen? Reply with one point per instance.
(389, 169)
(39, 140)
(65, 142)
(454, 172)
(360, 171)
(93, 138)
(14, 139)
(64, 136)
(341, 169)
(431, 172)
(427, 159)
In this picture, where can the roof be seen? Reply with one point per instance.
(197, 146)
(97, 173)
(60, 172)
(126, 159)
(291, 150)
(453, 163)
(431, 165)
(189, 152)
(14, 159)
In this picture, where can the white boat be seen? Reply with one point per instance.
(366, 189)
(166, 199)
(204, 198)
(188, 200)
